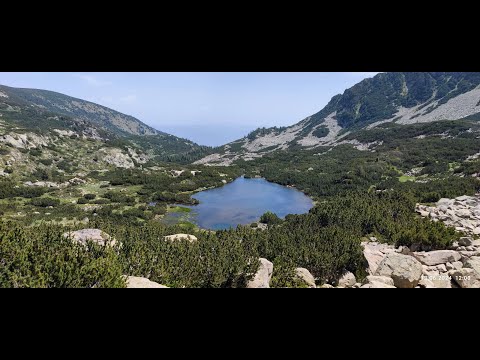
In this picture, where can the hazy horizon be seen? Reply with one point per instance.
(208, 108)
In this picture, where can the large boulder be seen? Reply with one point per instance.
(374, 254)
(95, 235)
(473, 263)
(437, 257)
(347, 280)
(465, 278)
(134, 282)
(261, 280)
(304, 276)
(178, 237)
(405, 271)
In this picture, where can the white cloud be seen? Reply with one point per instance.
(92, 80)
(129, 99)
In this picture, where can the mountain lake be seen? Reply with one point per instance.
(240, 203)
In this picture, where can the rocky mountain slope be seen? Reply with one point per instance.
(45, 131)
(386, 99)
(98, 115)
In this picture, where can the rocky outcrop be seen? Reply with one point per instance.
(437, 257)
(95, 235)
(462, 213)
(178, 237)
(347, 280)
(134, 282)
(304, 276)
(405, 271)
(262, 278)
(374, 254)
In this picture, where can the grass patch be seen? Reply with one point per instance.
(405, 178)
(179, 209)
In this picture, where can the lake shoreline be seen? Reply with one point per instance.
(242, 202)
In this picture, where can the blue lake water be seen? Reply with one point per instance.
(243, 201)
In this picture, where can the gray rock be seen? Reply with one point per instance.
(95, 235)
(261, 280)
(134, 282)
(441, 282)
(465, 278)
(468, 254)
(178, 237)
(476, 243)
(377, 285)
(373, 256)
(464, 198)
(471, 248)
(457, 265)
(304, 276)
(347, 280)
(357, 285)
(379, 279)
(465, 241)
(461, 248)
(405, 270)
(476, 231)
(473, 263)
(437, 257)
(426, 284)
(326, 286)
(442, 268)
(445, 202)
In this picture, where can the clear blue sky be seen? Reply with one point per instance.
(208, 108)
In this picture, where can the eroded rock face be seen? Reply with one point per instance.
(262, 278)
(304, 276)
(178, 237)
(95, 235)
(134, 282)
(405, 270)
(437, 257)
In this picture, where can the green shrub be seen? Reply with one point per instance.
(270, 218)
(45, 202)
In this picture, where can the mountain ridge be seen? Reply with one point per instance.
(402, 98)
(103, 116)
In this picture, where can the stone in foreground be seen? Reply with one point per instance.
(261, 280)
(465, 278)
(304, 276)
(347, 280)
(405, 271)
(135, 282)
(379, 279)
